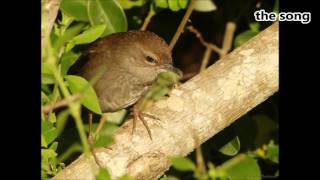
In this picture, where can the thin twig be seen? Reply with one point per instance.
(205, 59)
(91, 140)
(90, 123)
(147, 20)
(203, 42)
(228, 37)
(182, 24)
(102, 121)
(200, 162)
(65, 102)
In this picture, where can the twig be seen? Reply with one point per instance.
(203, 42)
(182, 24)
(91, 140)
(200, 162)
(205, 59)
(101, 123)
(90, 124)
(228, 37)
(65, 102)
(147, 20)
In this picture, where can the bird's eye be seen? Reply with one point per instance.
(151, 60)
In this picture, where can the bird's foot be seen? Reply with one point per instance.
(137, 114)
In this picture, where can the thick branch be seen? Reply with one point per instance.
(194, 112)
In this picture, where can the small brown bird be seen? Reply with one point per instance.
(133, 60)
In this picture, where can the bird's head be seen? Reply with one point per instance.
(146, 55)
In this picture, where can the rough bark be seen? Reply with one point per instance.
(194, 112)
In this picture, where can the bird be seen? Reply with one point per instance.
(133, 60)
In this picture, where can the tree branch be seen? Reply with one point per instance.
(194, 112)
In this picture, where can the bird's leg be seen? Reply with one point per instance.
(137, 114)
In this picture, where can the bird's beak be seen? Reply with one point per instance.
(170, 67)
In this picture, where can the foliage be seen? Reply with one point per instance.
(81, 22)
(241, 166)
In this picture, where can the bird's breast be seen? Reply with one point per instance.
(122, 92)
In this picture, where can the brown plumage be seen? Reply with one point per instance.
(132, 59)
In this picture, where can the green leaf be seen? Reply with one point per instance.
(75, 8)
(90, 35)
(68, 35)
(157, 92)
(61, 120)
(128, 4)
(109, 13)
(47, 74)
(48, 131)
(74, 148)
(205, 6)
(125, 177)
(45, 88)
(161, 85)
(174, 5)
(183, 164)
(165, 177)
(227, 141)
(161, 3)
(54, 146)
(167, 78)
(244, 37)
(103, 174)
(43, 142)
(183, 3)
(241, 167)
(232, 147)
(67, 60)
(52, 118)
(70, 45)
(116, 117)
(215, 173)
(103, 140)
(44, 98)
(48, 153)
(89, 98)
(254, 26)
(273, 152)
